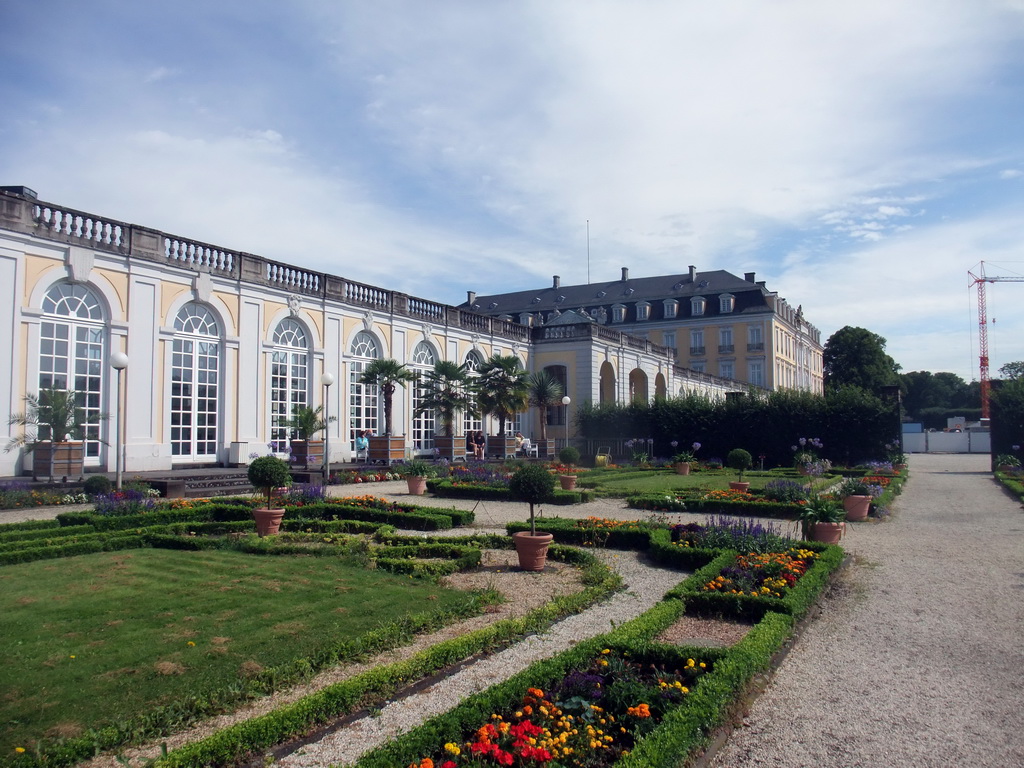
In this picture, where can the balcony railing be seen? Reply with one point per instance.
(696, 351)
(756, 346)
(726, 349)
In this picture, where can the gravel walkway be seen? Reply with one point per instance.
(918, 656)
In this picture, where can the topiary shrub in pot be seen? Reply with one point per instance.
(533, 484)
(568, 456)
(739, 460)
(267, 474)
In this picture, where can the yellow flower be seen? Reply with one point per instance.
(191, 643)
(452, 749)
(19, 750)
(606, 651)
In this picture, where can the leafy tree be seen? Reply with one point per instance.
(533, 484)
(856, 357)
(501, 388)
(543, 391)
(446, 391)
(387, 374)
(1014, 370)
(927, 392)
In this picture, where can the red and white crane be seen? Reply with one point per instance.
(979, 278)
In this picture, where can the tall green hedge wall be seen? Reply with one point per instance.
(854, 424)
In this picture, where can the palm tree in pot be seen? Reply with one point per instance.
(533, 484)
(387, 374)
(447, 392)
(502, 391)
(544, 391)
(60, 425)
(306, 422)
(267, 474)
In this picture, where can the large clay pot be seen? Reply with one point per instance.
(827, 533)
(532, 550)
(735, 486)
(568, 482)
(268, 521)
(857, 507)
(417, 485)
(683, 468)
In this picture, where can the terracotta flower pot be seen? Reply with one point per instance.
(735, 486)
(827, 533)
(683, 468)
(532, 550)
(268, 521)
(857, 507)
(568, 482)
(417, 485)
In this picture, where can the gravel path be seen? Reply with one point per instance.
(918, 656)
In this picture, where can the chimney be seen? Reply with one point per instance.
(749, 277)
(556, 282)
(693, 273)
(470, 298)
(625, 274)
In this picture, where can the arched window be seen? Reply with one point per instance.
(195, 384)
(423, 359)
(472, 422)
(289, 378)
(362, 399)
(71, 351)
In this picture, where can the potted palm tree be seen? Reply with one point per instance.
(57, 429)
(268, 474)
(306, 422)
(544, 391)
(502, 391)
(533, 484)
(387, 374)
(739, 460)
(447, 392)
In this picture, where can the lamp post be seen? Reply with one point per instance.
(565, 402)
(327, 379)
(119, 361)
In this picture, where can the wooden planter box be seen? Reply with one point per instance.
(307, 454)
(501, 447)
(546, 449)
(386, 450)
(53, 460)
(451, 448)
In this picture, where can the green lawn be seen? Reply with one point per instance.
(96, 639)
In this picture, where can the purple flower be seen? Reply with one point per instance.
(675, 444)
(696, 446)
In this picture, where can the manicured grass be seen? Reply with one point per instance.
(100, 638)
(623, 482)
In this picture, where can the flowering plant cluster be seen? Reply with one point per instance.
(877, 467)
(15, 494)
(684, 457)
(372, 502)
(805, 456)
(127, 501)
(770, 574)
(480, 474)
(740, 534)
(786, 491)
(640, 449)
(346, 478)
(592, 717)
(565, 469)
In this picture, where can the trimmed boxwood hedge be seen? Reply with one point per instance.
(571, 531)
(449, 490)
(775, 509)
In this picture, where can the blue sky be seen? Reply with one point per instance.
(859, 157)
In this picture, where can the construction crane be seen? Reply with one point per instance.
(979, 280)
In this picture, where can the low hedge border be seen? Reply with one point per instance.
(775, 509)
(685, 730)
(570, 531)
(795, 603)
(407, 559)
(446, 489)
(240, 741)
(15, 531)
(1011, 481)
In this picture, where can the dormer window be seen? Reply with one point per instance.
(726, 303)
(643, 310)
(671, 308)
(697, 305)
(618, 313)
(525, 318)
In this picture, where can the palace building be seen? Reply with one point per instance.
(221, 344)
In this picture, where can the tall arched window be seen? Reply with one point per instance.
(71, 351)
(289, 378)
(195, 384)
(423, 359)
(362, 400)
(472, 422)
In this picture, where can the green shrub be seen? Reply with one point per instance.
(97, 484)
(569, 455)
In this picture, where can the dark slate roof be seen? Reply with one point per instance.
(750, 296)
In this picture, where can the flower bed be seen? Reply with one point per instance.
(448, 489)
(592, 531)
(716, 501)
(771, 574)
(592, 716)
